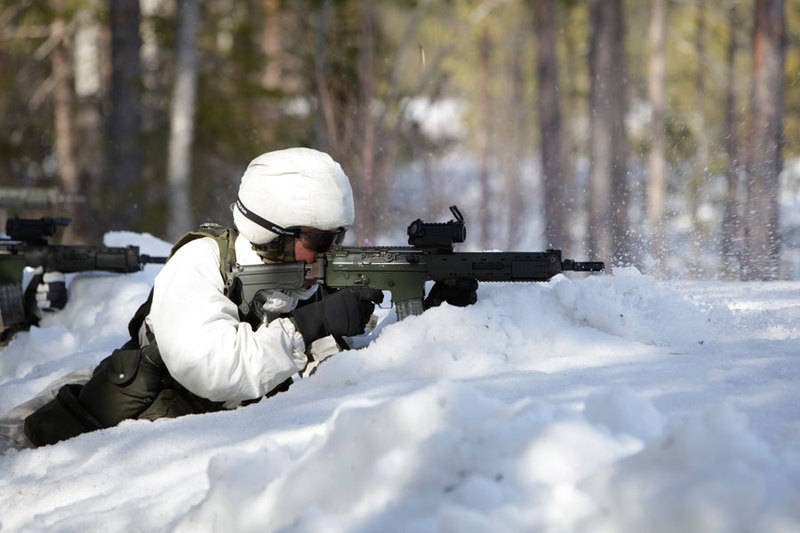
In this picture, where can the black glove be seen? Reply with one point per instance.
(344, 313)
(460, 292)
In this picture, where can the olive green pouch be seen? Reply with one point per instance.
(124, 385)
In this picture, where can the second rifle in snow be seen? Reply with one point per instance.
(403, 270)
(27, 246)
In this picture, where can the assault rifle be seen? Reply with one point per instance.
(26, 245)
(404, 270)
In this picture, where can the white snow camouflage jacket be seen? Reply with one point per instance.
(204, 345)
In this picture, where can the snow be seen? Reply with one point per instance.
(587, 403)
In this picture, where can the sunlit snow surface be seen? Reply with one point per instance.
(599, 403)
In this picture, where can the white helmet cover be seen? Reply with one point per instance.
(290, 188)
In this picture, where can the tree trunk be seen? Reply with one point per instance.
(731, 218)
(608, 205)
(366, 74)
(516, 196)
(125, 119)
(324, 118)
(549, 107)
(89, 55)
(700, 134)
(484, 136)
(657, 183)
(762, 230)
(179, 165)
(63, 97)
(272, 45)
(574, 98)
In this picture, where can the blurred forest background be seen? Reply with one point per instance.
(659, 133)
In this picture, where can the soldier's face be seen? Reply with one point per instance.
(303, 254)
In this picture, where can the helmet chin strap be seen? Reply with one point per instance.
(281, 249)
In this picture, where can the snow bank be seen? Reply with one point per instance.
(598, 403)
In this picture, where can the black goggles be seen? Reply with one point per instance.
(319, 241)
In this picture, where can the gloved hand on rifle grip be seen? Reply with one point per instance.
(344, 313)
(51, 291)
(460, 292)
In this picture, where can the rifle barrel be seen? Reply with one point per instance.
(582, 266)
(145, 259)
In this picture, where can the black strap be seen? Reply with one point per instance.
(263, 222)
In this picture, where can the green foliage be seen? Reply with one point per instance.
(26, 131)
(420, 50)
